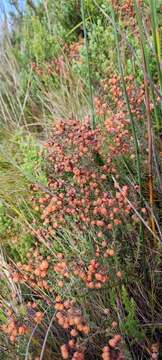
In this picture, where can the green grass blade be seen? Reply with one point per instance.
(88, 64)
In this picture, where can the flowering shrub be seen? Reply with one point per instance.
(80, 173)
(80, 268)
(82, 251)
(81, 195)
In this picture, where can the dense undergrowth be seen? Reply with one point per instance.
(80, 186)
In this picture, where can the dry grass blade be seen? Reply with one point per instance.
(29, 342)
(139, 215)
(45, 339)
